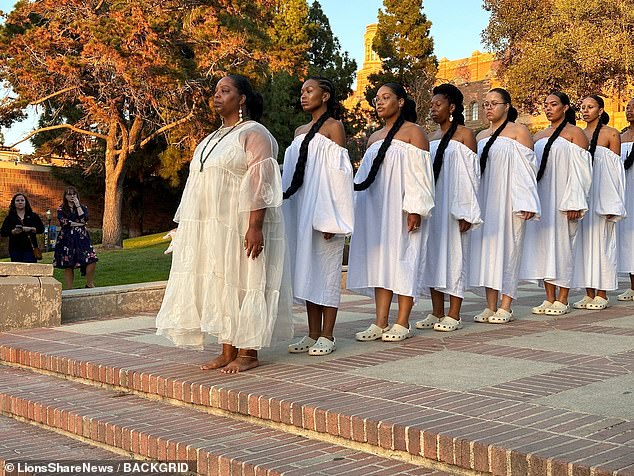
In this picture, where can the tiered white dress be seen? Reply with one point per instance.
(625, 228)
(213, 288)
(595, 250)
(445, 267)
(323, 203)
(550, 242)
(383, 254)
(508, 187)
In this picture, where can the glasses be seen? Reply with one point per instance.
(376, 100)
(492, 104)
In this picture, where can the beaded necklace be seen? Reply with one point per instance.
(203, 157)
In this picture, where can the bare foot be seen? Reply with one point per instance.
(218, 362)
(240, 364)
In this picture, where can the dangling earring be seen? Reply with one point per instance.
(240, 113)
(451, 118)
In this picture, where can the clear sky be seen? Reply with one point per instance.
(456, 28)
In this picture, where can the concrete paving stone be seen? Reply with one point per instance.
(620, 322)
(573, 342)
(454, 370)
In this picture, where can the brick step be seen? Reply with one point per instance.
(156, 430)
(22, 442)
(466, 432)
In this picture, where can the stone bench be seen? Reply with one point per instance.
(29, 296)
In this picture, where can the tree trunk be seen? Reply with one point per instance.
(113, 201)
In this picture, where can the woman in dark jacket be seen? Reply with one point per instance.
(21, 225)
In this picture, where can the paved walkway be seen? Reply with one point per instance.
(541, 395)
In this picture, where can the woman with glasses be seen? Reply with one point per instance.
(508, 197)
(73, 248)
(595, 252)
(457, 178)
(394, 196)
(626, 227)
(563, 183)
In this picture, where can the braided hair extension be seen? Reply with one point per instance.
(254, 101)
(569, 118)
(511, 116)
(603, 119)
(332, 110)
(455, 97)
(408, 113)
(629, 160)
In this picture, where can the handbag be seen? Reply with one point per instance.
(37, 252)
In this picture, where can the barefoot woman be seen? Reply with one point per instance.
(228, 252)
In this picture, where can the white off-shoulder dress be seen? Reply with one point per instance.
(383, 254)
(323, 204)
(595, 250)
(456, 198)
(213, 288)
(625, 228)
(508, 187)
(550, 242)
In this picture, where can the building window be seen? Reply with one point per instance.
(475, 111)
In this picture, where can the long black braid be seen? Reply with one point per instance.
(629, 160)
(332, 110)
(408, 113)
(569, 118)
(455, 97)
(603, 119)
(511, 116)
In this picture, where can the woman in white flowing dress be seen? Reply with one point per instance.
(227, 275)
(563, 184)
(318, 213)
(394, 194)
(509, 198)
(595, 252)
(626, 227)
(456, 210)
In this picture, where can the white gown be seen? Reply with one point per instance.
(625, 228)
(447, 252)
(595, 250)
(323, 203)
(508, 187)
(383, 254)
(213, 288)
(549, 243)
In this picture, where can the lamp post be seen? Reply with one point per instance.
(47, 244)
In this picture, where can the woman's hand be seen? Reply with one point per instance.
(463, 225)
(573, 215)
(526, 215)
(253, 242)
(413, 222)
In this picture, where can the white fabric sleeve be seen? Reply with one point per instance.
(419, 189)
(464, 203)
(610, 198)
(334, 206)
(575, 196)
(524, 196)
(261, 185)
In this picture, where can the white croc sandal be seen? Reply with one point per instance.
(483, 316)
(373, 332)
(501, 316)
(598, 304)
(396, 333)
(582, 303)
(323, 346)
(428, 322)
(448, 324)
(301, 346)
(626, 296)
(541, 309)
(557, 309)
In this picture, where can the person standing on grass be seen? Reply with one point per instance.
(73, 248)
(228, 276)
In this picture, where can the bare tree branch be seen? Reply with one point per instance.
(65, 90)
(165, 128)
(61, 126)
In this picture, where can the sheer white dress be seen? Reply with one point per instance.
(625, 228)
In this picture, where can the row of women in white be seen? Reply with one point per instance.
(421, 223)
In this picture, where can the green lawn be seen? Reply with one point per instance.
(140, 261)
